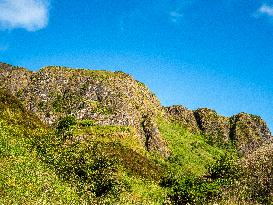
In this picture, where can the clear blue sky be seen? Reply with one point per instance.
(216, 54)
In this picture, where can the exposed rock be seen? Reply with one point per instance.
(215, 127)
(249, 132)
(183, 116)
(153, 141)
(14, 79)
(115, 98)
(109, 98)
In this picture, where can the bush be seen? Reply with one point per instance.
(191, 190)
(225, 169)
(65, 126)
(86, 167)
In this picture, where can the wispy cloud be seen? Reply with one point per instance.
(266, 10)
(31, 15)
(175, 16)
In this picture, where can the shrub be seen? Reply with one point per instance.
(191, 190)
(86, 123)
(225, 169)
(65, 126)
(85, 166)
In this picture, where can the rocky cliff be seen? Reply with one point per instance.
(115, 98)
(247, 132)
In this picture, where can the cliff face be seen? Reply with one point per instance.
(14, 79)
(115, 98)
(247, 132)
(183, 116)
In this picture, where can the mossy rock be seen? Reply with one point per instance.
(215, 127)
(108, 98)
(182, 116)
(249, 132)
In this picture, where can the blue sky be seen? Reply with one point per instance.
(216, 54)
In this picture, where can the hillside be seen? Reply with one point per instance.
(101, 137)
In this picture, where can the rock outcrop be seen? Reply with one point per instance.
(249, 132)
(115, 98)
(183, 116)
(108, 98)
(14, 79)
(214, 126)
(246, 132)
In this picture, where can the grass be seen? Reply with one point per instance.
(80, 162)
(28, 176)
(24, 179)
(142, 192)
(190, 152)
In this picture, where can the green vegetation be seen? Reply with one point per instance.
(198, 172)
(81, 162)
(24, 179)
(105, 139)
(190, 152)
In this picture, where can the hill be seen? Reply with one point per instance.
(100, 137)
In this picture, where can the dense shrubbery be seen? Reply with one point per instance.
(192, 189)
(84, 165)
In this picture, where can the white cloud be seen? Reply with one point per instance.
(31, 15)
(266, 10)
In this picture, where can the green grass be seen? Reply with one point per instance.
(28, 176)
(190, 152)
(24, 179)
(142, 192)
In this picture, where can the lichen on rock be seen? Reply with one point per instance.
(182, 116)
(215, 127)
(249, 132)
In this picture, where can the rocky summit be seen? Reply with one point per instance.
(115, 101)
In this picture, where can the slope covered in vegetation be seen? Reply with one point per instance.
(74, 136)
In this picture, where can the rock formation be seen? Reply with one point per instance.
(214, 126)
(183, 116)
(115, 98)
(249, 132)
(108, 98)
